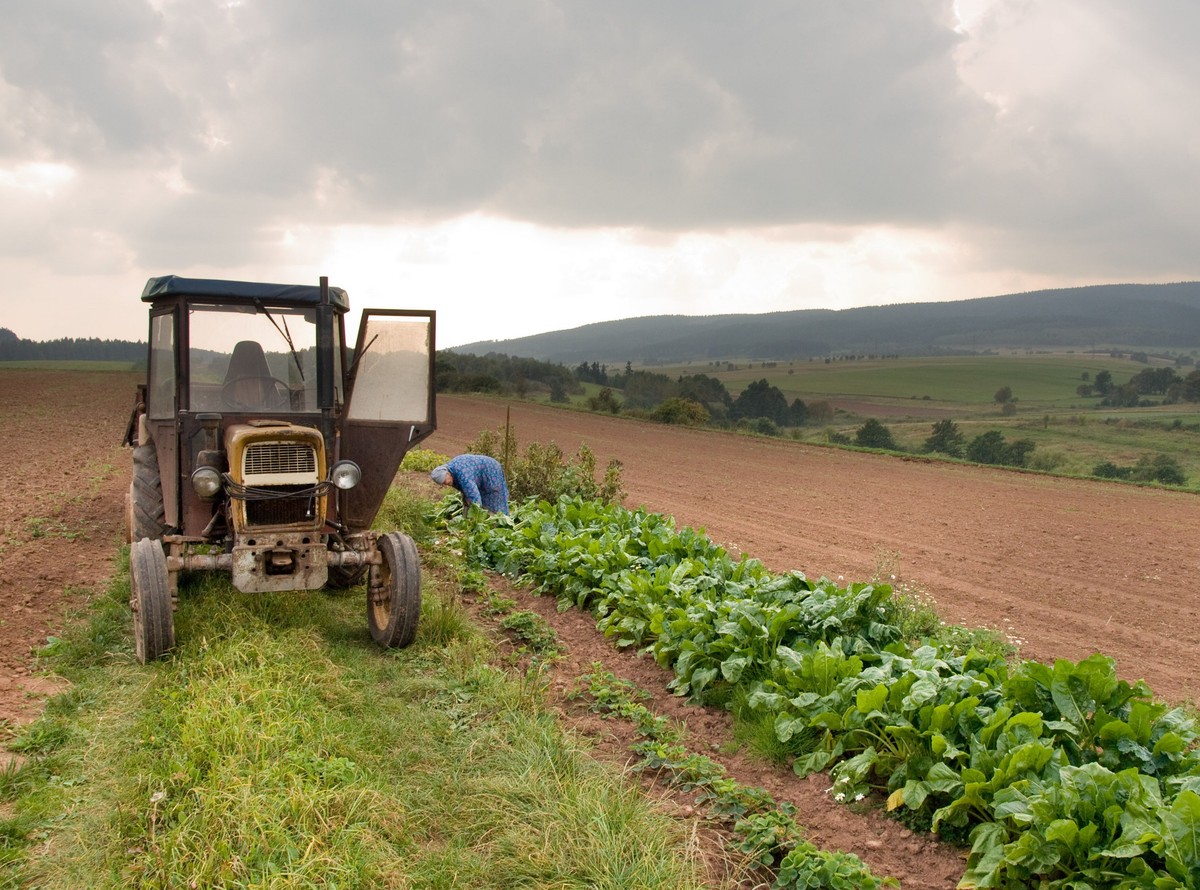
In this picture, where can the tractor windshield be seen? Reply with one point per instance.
(247, 358)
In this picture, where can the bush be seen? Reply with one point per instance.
(543, 471)
(946, 438)
(1161, 468)
(764, 426)
(604, 402)
(686, 412)
(422, 460)
(991, 448)
(874, 434)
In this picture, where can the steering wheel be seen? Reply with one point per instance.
(250, 393)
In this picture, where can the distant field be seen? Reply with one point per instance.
(70, 366)
(1071, 432)
(1037, 381)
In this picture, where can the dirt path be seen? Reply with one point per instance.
(1066, 567)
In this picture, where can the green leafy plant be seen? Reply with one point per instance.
(951, 733)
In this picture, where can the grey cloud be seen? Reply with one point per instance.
(673, 115)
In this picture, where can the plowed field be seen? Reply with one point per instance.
(1066, 567)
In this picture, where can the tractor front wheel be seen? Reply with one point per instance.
(150, 600)
(394, 592)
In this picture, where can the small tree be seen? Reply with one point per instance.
(987, 448)
(874, 434)
(1003, 395)
(604, 401)
(946, 438)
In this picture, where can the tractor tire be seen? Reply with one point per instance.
(394, 592)
(150, 601)
(147, 518)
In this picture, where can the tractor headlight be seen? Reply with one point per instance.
(345, 474)
(206, 481)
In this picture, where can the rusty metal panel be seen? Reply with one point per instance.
(280, 562)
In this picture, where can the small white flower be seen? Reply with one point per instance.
(839, 797)
(858, 797)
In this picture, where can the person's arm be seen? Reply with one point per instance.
(469, 488)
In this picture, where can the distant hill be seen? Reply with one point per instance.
(1104, 316)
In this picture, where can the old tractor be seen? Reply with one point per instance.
(263, 447)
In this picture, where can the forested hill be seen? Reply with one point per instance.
(1110, 315)
(13, 348)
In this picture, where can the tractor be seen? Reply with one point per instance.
(263, 448)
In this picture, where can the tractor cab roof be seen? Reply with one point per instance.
(166, 286)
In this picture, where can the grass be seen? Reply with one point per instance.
(965, 381)
(1071, 433)
(278, 747)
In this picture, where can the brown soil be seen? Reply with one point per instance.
(64, 480)
(1065, 567)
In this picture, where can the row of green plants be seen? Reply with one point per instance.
(764, 831)
(1060, 776)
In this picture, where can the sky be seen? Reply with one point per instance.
(535, 165)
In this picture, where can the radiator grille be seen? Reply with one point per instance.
(282, 510)
(274, 458)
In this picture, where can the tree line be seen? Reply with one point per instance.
(91, 349)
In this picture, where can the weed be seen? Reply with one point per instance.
(532, 630)
(422, 460)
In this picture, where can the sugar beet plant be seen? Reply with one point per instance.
(1059, 776)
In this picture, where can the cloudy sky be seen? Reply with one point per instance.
(533, 165)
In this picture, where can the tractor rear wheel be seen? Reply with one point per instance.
(147, 518)
(394, 592)
(150, 600)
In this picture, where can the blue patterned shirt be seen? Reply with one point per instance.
(481, 481)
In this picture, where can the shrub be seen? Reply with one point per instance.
(1161, 468)
(991, 448)
(874, 434)
(604, 402)
(764, 426)
(544, 472)
(686, 412)
(422, 460)
(946, 438)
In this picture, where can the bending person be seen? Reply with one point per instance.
(480, 479)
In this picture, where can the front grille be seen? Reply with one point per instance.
(279, 458)
(282, 510)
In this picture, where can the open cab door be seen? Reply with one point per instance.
(390, 403)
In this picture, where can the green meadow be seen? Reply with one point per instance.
(1072, 433)
(966, 382)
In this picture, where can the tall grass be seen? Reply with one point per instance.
(278, 747)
